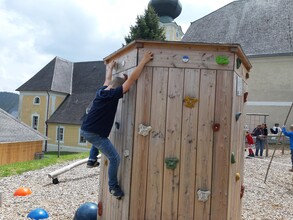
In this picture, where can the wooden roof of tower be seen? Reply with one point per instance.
(234, 48)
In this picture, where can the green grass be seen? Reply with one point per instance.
(50, 158)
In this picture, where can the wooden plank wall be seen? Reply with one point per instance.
(239, 139)
(177, 131)
(236, 148)
(187, 194)
(157, 144)
(222, 143)
(141, 146)
(205, 141)
(19, 152)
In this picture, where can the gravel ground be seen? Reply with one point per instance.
(75, 187)
(270, 201)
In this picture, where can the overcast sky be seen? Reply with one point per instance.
(33, 32)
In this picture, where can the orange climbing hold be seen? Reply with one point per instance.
(22, 191)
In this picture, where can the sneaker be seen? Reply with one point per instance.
(117, 192)
(91, 164)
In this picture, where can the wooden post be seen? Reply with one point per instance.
(55, 173)
(277, 143)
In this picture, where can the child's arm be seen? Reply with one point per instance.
(109, 70)
(137, 71)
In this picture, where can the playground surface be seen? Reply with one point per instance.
(75, 187)
(261, 201)
(271, 200)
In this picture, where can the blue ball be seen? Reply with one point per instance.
(38, 214)
(88, 211)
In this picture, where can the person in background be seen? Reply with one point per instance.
(276, 129)
(265, 134)
(98, 123)
(260, 141)
(290, 135)
(250, 143)
(265, 129)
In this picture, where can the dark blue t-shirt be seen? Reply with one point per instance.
(101, 116)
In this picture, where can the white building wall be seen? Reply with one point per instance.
(270, 88)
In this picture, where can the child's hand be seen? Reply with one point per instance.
(112, 64)
(147, 56)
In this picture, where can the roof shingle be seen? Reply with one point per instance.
(13, 130)
(261, 27)
(87, 78)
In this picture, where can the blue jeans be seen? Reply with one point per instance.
(94, 152)
(259, 146)
(107, 148)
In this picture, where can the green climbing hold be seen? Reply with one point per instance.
(233, 158)
(171, 162)
(238, 62)
(222, 60)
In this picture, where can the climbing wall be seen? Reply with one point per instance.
(179, 132)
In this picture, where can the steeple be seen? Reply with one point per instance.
(167, 10)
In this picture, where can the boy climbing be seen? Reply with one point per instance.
(98, 122)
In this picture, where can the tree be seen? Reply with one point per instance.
(146, 28)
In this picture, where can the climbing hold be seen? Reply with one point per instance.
(237, 177)
(233, 158)
(22, 191)
(144, 130)
(185, 59)
(126, 153)
(238, 62)
(216, 127)
(100, 208)
(242, 191)
(247, 75)
(38, 213)
(203, 195)
(245, 95)
(117, 125)
(171, 162)
(222, 60)
(237, 116)
(189, 102)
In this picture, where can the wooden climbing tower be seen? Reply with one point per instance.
(179, 132)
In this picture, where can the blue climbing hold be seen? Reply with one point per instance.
(38, 214)
(88, 211)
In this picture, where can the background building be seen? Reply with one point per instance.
(55, 99)
(264, 31)
(18, 142)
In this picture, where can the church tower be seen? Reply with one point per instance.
(167, 11)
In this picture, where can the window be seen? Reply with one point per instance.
(37, 100)
(60, 134)
(81, 139)
(35, 122)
